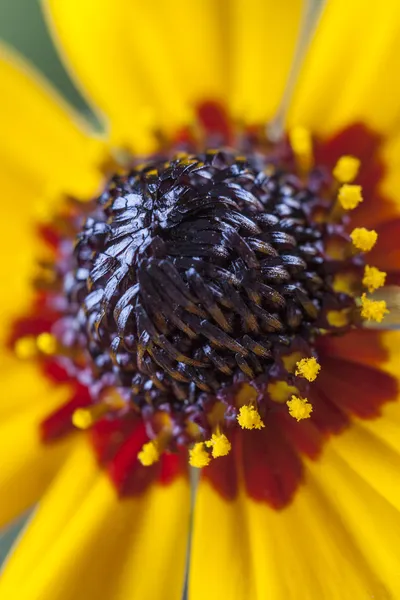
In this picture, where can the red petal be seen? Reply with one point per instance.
(272, 469)
(59, 423)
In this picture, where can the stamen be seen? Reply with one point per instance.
(346, 169)
(308, 368)
(350, 196)
(84, 418)
(338, 318)
(29, 346)
(220, 445)
(301, 143)
(249, 418)
(25, 347)
(373, 310)
(280, 391)
(198, 456)
(373, 278)
(149, 454)
(299, 408)
(364, 239)
(47, 343)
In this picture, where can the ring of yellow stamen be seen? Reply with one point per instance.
(373, 310)
(350, 196)
(249, 418)
(299, 408)
(149, 454)
(301, 143)
(308, 368)
(219, 444)
(346, 169)
(364, 239)
(373, 278)
(198, 456)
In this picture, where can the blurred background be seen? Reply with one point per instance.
(22, 26)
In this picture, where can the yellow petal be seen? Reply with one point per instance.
(221, 558)
(84, 542)
(17, 247)
(372, 450)
(390, 341)
(140, 63)
(390, 185)
(330, 542)
(350, 73)
(196, 35)
(21, 381)
(367, 512)
(27, 465)
(263, 38)
(41, 141)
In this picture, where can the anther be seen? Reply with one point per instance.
(198, 456)
(219, 444)
(373, 310)
(346, 169)
(149, 454)
(301, 143)
(249, 418)
(373, 278)
(364, 239)
(350, 196)
(47, 343)
(308, 368)
(84, 418)
(299, 408)
(25, 347)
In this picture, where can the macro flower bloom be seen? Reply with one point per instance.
(191, 386)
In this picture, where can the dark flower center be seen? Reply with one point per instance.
(193, 275)
(202, 295)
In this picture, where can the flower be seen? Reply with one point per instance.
(200, 285)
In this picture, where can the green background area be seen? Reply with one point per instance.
(22, 26)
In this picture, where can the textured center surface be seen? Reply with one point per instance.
(189, 275)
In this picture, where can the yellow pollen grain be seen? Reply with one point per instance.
(301, 143)
(350, 196)
(345, 282)
(338, 318)
(290, 361)
(25, 347)
(82, 418)
(373, 278)
(280, 391)
(249, 418)
(308, 368)
(346, 169)
(364, 239)
(198, 456)
(46, 343)
(149, 454)
(373, 310)
(219, 444)
(299, 408)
